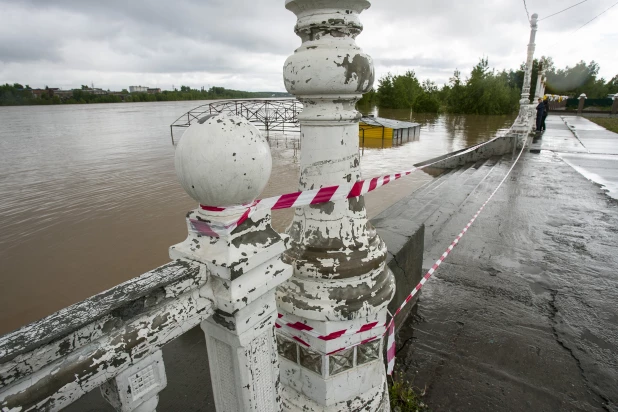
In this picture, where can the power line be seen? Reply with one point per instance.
(585, 24)
(561, 11)
(526, 7)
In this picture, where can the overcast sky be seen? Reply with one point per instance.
(242, 44)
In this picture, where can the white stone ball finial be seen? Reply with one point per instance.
(223, 160)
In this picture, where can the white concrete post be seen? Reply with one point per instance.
(540, 80)
(525, 91)
(526, 117)
(582, 102)
(340, 279)
(224, 160)
(137, 388)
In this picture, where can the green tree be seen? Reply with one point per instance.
(612, 85)
(398, 92)
(484, 92)
(455, 93)
(427, 100)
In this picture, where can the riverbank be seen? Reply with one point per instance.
(17, 95)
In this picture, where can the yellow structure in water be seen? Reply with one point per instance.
(382, 132)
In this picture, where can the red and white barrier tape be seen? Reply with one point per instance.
(390, 325)
(308, 330)
(298, 199)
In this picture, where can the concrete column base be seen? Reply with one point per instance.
(373, 400)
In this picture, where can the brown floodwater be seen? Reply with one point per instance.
(89, 196)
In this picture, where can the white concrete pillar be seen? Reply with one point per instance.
(540, 80)
(582, 102)
(224, 160)
(525, 91)
(137, 388)
(527, 113)
(340, 279)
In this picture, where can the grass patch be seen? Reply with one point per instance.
(610, 123)
(404, 398)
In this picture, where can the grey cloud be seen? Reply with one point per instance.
(224, 22)
(240, 40)
(28, 50)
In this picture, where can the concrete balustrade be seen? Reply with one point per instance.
(224, 283)
(108, 339)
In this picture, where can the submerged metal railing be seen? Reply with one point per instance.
(268, 115)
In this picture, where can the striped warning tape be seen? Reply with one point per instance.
(303, 198)
(390, 325)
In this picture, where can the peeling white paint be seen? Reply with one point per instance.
(340, 279)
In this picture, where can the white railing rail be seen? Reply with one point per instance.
(52, 362)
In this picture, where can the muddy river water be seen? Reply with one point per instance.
(89, 196)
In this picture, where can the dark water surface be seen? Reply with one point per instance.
(89, 196)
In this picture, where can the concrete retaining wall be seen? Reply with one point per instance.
(495, 147)
(405, 259)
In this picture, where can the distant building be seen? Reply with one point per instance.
(138, 89)
(153, 90)
(64, 94)
(95, 91)
(49, 91)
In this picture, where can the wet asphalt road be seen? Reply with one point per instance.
(523, 315)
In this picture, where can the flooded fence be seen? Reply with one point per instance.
(279, 119)
(268, 115)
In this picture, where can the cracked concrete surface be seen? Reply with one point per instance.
(523, 314)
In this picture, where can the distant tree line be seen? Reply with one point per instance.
(16, 94)
(485, 90)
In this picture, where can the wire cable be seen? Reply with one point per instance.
(595, 17)
(585, 24)
(561, 11)
(526, 7)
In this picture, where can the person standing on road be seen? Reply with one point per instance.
(545, 113)
(540, 109)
